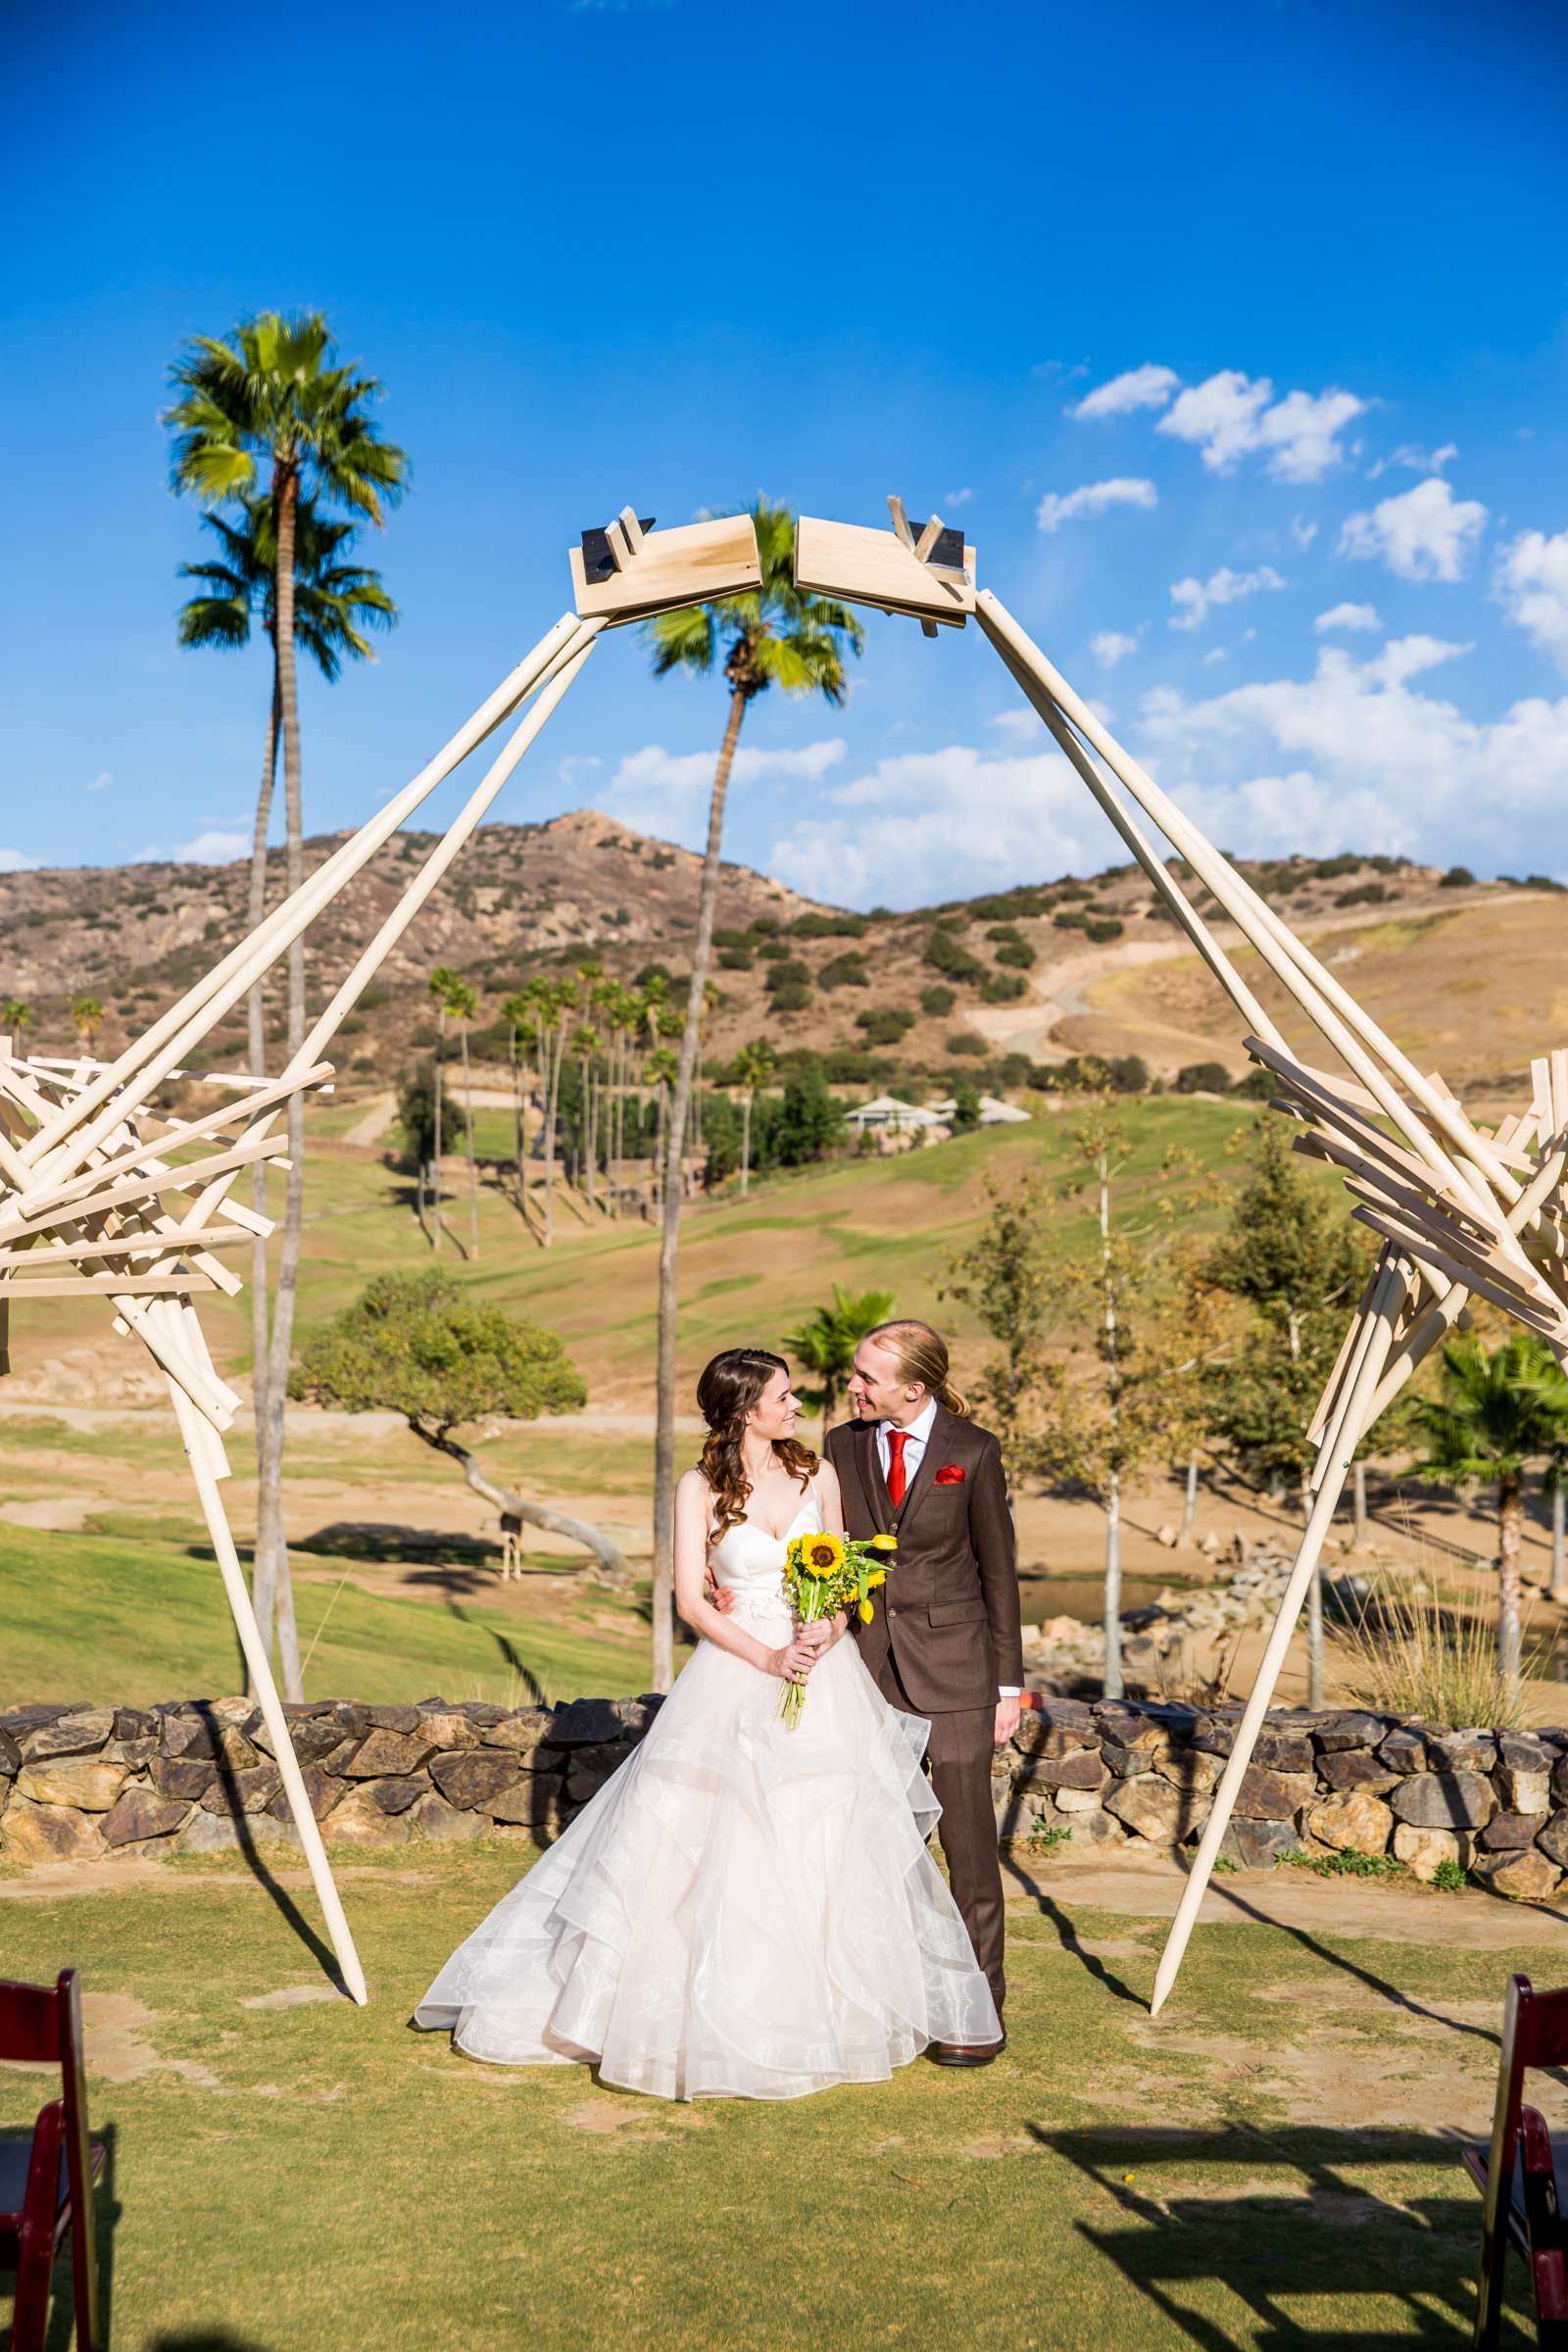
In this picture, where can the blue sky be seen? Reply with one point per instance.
(1233, 334)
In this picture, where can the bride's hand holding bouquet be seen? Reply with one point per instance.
(823, 1574)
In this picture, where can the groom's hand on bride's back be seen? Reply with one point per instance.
(721, 1597)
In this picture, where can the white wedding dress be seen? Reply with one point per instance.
(745, 1910)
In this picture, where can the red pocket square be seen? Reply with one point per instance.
(950, 1475)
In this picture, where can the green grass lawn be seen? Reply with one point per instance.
(1232, 2174)
(127, 1617)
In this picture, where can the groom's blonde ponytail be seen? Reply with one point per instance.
(921, 1353)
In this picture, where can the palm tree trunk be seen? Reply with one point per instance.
(1315, 1618)
(1113, 1677)
(663, 1661)
(516, 1118)
(1358, 1501)
(435, 1169)
(552, 1112)
(255, 1041)
(1511, 1532)
(271, 1546)
(473, 1179)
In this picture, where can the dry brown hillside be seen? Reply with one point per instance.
(1469, 976)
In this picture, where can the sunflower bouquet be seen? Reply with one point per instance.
(823, 1574)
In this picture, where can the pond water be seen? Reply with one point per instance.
(1083, 1597)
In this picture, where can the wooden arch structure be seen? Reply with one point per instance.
(101, 1193)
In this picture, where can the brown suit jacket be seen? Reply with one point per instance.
(948, 1611)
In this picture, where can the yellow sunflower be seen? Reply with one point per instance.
(878, 1576)
(821, 1555)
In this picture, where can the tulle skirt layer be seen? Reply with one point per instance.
(743, 1911)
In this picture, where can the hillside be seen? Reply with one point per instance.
(1470, 975)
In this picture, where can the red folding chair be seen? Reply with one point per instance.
(46, 2186)
(1523, 2183)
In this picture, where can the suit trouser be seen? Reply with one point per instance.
(960, 1755)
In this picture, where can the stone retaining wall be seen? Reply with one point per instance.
(197, 1777)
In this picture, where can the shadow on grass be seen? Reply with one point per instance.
(407, 1546)
(511, 1656)
(245, 1838)
(1304, 2224)
(1061, 1919)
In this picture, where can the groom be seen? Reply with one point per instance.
(946, 1646)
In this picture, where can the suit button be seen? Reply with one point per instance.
(892, 1612)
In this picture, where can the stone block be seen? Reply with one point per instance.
(1349, 1728)
(1156, 1809)
(1077, 1768)
(1040, 1734)
(82, 1782)
(1444, 1801)
(394, 1718)
(520, 1732)
(1098, 1828)
(1529, 1876)
(1122, 1761)
(584, 1781)
(312, 1737)
(224, 1833)
(1423, 1849)
(1462, 1751)
(522, 1806)
(1505, 1833)
(1190, 1768)
(1552, 1838)
(397, 1795)
(1355, 1768)
(1523, 1751)
(187, 1777)
(236, 1752)
(323, 1791)
(1266, 1795)
(385, 1752)
(437, 1818)
(1354, 1823)
(250, 1791)
(1258, 1844)
(444, 1728)
(10, 1758)
(82, 1732)
(1522, 1792)
(135, 1723)
(186, 1736)
(470, 1777)
(141, 1814)
(30, 1833)
(359, 1821)
(1077, 1800)
(1404, 1751)
(581, 1723)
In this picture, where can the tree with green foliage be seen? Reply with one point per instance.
(1298, 1269)
(773, 635)
(86, 1018)
(270, 415)
(439, 985)
(16, 1016)
(1499, 1410)
(965, 1106)
(811, 1121)
(825, 1344)
(419, 1097)
(1009, 1279)
(420, 1345)
(753, 1066)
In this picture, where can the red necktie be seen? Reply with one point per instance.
(898, 1438)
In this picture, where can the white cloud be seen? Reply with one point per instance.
(1216, 655)
(904, 831)
(957, 498)
(1231, 415)
(1145, 387)
(1357, 756)
(578, 768)
(665, 793)
(1349, 616)
(15, 861)
(101, 781)
(1112, 646)
(1072, 506)
(1021, 725)
(211, 848)
(1193, 598)
(1303, 531)
(1533, 581)
(1419, 460)
(1424, 534)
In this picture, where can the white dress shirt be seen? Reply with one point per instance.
(918, 1436)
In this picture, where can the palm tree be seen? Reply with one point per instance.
(516, 1011)
(773, 635)
(1499, 1410)
(463, 1002)
(826, 1341)
(754, 1067)
(270, 400)
(87, 1015)
(14, 1017)
(587, 1047)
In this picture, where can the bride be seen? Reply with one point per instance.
(746, 1910)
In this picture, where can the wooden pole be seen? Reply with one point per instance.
(196, 1438)
(1386, 1304)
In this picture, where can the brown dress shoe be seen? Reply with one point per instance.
(966, 2053)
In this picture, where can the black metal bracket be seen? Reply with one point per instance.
(599, 557)
(946, 551)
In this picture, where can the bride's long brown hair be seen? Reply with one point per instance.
(727, 1391)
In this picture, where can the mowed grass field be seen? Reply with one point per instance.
(1273, 2161)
